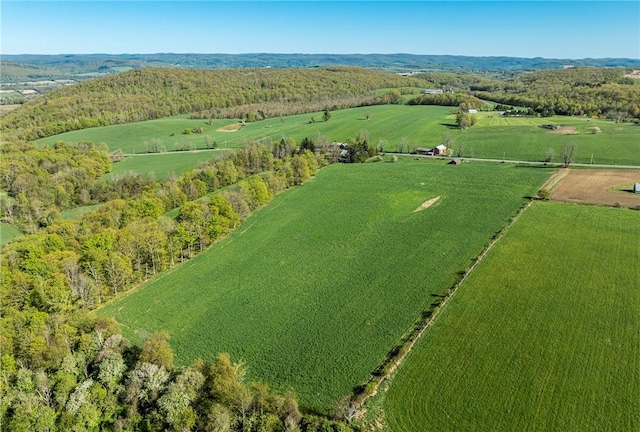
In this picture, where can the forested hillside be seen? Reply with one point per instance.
(573, 91)
(154, 93)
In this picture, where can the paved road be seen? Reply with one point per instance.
(535, 163)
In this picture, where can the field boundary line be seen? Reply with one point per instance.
(555, 179)
(392, 362)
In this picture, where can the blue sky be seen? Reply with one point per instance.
(551, 29)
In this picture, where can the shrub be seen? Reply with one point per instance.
(544, 194)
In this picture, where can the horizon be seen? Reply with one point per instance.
(571, 30)
(308, 54)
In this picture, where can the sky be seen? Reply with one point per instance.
(550, 29)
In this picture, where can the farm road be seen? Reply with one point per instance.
(534, 163)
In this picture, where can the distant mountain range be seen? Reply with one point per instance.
(20, 68)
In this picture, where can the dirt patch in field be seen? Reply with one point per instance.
(6, 108)
(230, 128)
(634, 75)
(564, 130)
(600, 187)
(427, 204)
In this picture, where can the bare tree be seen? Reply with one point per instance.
(549, 155)
(447, 140)
(569, 151)
(381, 144)
(346, 409)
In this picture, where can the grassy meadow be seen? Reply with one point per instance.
(493, 136)
(314, 289)
(78, 212)
(518, 138)
(543, 336)
(8, 233)
(160, 165)
(419, 124)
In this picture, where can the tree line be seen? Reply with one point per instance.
(448, 99)
(265, 110)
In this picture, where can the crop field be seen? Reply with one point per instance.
(314, 289)
(516, 138)
(542, 336)
(602, 187)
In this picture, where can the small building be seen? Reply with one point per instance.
(636, 188)
(424, 151)
(440, 149)
(433, 91)
(472, 111)
(454, 162)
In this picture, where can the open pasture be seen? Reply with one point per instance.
(419, 124)
(314, 289)
(131, 138)
(494, 136)
(160, 165)
(522, 138)
(601, 187)
(543, 335)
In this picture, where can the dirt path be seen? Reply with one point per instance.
(554, 179)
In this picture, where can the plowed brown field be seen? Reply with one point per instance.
(602, 187)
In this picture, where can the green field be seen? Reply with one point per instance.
(522, 139)
(418, 123)
(8, 233)
(313, 290)
(543, 336)
(78, 212)
(160, 165)
(494, 136)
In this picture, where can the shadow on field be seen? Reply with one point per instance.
(450, 125)
(537, 165)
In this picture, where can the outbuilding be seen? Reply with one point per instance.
(636, 188)
(454, 162)
(440, 149)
